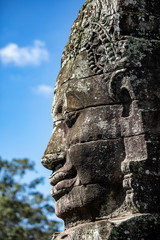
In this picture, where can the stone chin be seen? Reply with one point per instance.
(79, 197)
(89, 202)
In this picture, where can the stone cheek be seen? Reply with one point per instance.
(96, 123)
(98, 162)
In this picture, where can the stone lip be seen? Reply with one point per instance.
(62, 188)
(62, 181)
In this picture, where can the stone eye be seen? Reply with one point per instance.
(57, 112)
(70, 118)
(126, 102)
(59, 109)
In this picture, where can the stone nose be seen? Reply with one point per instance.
(52, 160)
(55, 152)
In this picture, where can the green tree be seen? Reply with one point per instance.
(24, 212)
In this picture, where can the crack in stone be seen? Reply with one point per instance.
(87, 107)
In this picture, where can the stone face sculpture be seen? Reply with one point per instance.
(106, 113)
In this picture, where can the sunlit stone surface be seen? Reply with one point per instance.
(104, 150)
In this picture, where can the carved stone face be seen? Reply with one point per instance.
(105, 104)
(86, 149)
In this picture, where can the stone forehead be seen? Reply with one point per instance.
(77, 94)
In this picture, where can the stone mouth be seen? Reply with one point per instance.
(62, 180)
(62, 187)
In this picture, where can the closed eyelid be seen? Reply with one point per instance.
(69, 102)
(73, 102)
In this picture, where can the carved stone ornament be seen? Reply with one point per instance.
(105, 146)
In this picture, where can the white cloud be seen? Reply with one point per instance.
(43, 90)
(22, 56)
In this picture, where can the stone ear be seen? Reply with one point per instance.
(114, 85)
(126, 102)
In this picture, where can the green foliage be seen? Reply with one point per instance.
(24, 212)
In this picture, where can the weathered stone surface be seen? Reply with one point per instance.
(123, 229)
(96, 123)
(105, 147)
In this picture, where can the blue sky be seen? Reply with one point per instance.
(33, 34)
